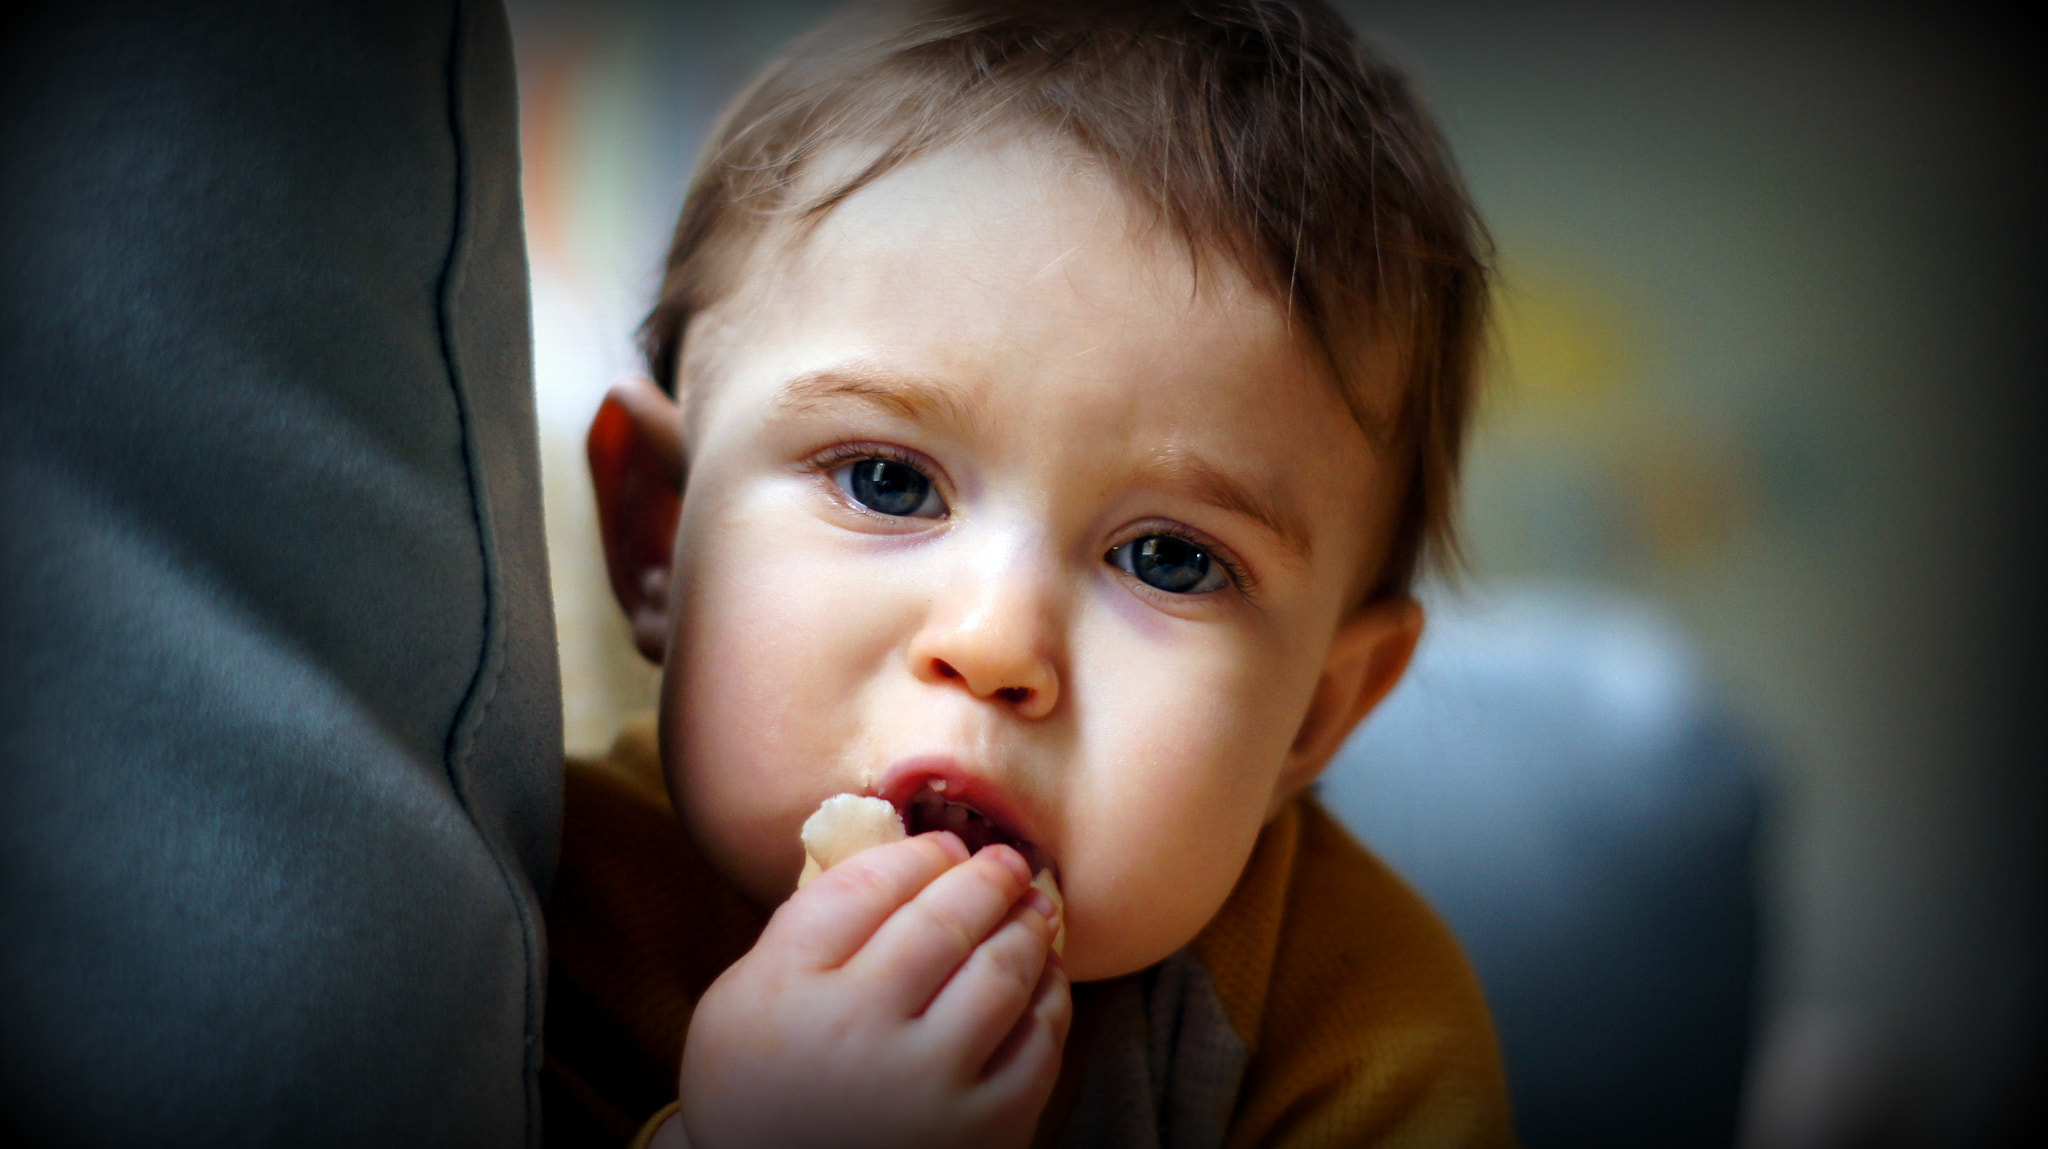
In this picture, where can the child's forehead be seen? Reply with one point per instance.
(1019, 222)
(1020, 196)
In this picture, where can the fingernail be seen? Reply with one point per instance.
(949, 842)
(1038, 900)
(1013, 862)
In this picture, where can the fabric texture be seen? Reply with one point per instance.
(1324, 1005)
(279, 724)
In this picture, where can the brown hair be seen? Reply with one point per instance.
(1260, 130)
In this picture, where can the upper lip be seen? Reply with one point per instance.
(907, 777)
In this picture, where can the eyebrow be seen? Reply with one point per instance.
(1211, 485)
(930, 399)
(907, 398)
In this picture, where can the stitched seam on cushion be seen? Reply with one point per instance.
(483, 687)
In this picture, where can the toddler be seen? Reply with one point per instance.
(1051, 404)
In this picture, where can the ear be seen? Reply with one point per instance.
(1367, 658)
(636, 465)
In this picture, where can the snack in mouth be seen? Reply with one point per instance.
(845, 824)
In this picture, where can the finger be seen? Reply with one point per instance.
(828, 921)
(993, 989)
(913, 953)
(1026, 1065)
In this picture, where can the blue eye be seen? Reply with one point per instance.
(888, 487)
(1171, 564)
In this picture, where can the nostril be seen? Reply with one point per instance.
(944, 668)
(1014, 694)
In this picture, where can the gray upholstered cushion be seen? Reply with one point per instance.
(1557, 776)
(279, 722)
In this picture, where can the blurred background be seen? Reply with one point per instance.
(1759, 458)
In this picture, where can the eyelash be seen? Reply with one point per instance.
(1239, 575)
(833, 457)
(839, 454)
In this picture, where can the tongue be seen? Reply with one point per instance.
(975, 831)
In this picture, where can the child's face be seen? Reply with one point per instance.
(990, 494)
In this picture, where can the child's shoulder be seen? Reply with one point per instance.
(638, 925)
(1325, 1004)
(1350, 990)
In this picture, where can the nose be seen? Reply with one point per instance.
(994, 631)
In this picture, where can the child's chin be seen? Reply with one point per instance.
(1084, 962)
(1138, 940)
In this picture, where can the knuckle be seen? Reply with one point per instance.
(948, 920)
(1016, 962)
(892, 872)
(866, 880)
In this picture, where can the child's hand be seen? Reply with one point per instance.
(906, 997)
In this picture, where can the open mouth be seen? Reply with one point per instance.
(929, 809)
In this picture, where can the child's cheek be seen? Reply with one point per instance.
(753, 700)
(1169, 790)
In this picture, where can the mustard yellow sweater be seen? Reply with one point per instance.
(1325, 1005)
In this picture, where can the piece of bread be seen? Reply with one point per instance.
(845, 824)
